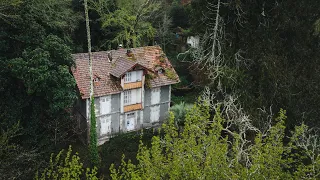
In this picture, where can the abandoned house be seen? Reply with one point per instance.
(132, 88)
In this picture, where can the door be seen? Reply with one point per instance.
(130, 121)
(105, 123)
(155, 113)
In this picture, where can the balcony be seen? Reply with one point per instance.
(132, 107)
(132, 85)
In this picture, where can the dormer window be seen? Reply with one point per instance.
(128, 77)
(159, 70)
(96, 79)
(133, 76)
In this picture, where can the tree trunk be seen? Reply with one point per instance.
(90, 61)
(92, 121)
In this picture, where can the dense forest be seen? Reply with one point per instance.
(247, 106)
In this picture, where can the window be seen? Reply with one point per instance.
(133, 76)
(130, 115)
(160, 71)
(127, 97)
(127, 77)
(96, 79)
(132, 96)
(139, 75)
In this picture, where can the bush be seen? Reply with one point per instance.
(67, 166)
(206, 149)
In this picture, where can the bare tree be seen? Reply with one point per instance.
(308, 139)
(90, 59)
(92, 122)
(237, 122)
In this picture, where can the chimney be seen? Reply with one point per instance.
(129, 52)
(110, 56)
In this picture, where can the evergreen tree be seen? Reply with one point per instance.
(131, 20)
(206, 149)
(66, 165)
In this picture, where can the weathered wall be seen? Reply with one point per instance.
(147, 97)
(115, 115)
(164, 95)
(164, 111)
(146, 114)
(142, 119)
(164, 105)
(115, 123)
(115, 103)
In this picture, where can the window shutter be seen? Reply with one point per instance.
(155, 113)
(133, 96)
(134, 76)
(138, 93)
(105, 125)
(105, 105)
(139, 75)
(155, 95)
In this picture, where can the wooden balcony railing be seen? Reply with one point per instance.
(132, 107)
(132, 85)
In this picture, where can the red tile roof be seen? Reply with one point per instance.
(121, 66)
(149, 57)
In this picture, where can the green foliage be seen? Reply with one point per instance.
(123, 144)
(16, 162)
(201, 151)
(49, 87)
(180, 16)
(93, 146)
(261, 56)
(180, 111)
(67, 166)
(44, 71)
(131, 19)
(170, 74)
(149, 77)
(8, 9)
(317, 27)
(267, 160)
(306, 146)
(37, 87)
(189, 97)
(6, 146)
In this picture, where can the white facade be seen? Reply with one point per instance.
(193, 41)
(132, 96)
(105, 105)
(112, 112)
(133, 76)
(155, 95)
(105, 125)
